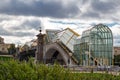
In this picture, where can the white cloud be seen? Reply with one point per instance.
(116, 34)
(26, 30)
(21, 19)
(19, 28)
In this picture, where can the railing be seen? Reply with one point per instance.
(114, 70)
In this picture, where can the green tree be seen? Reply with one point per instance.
(12, 49)
(117, 60)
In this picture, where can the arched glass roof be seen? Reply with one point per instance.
(97, 43)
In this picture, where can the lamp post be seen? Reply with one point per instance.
(40, 46)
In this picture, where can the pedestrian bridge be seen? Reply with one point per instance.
(60, 47)
(58, 52)
(94, 48)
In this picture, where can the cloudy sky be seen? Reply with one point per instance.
(21, 19)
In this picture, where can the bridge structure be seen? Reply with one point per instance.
(58, 47)
(93, 48)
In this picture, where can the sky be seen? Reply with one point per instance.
(20, 20)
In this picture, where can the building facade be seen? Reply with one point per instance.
(95, 46)
(3, 46)
(116, 50)
(1, 40)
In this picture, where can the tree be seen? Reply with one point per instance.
(117, 60)
(12, 49)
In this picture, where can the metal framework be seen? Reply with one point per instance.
(95, 46)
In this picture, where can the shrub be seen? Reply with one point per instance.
(15, 70)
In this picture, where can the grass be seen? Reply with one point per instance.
(15, 70)
(5, 58)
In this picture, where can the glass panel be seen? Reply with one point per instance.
(100, 44)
